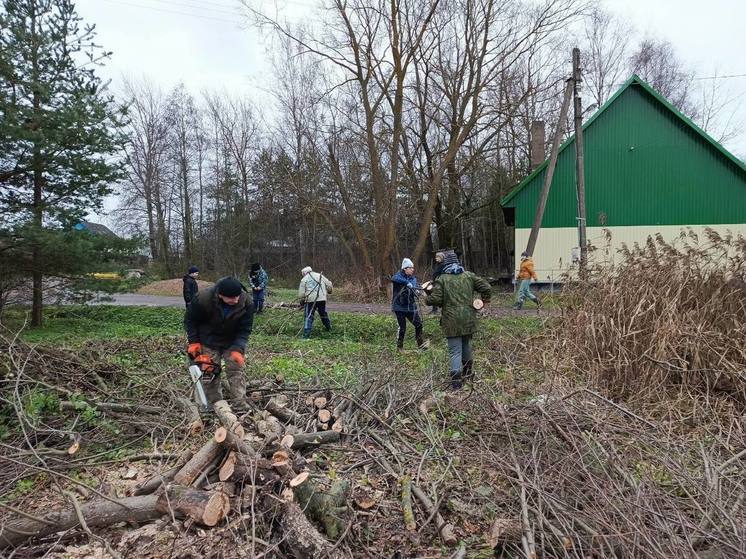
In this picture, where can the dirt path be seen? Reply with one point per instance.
(136, 299)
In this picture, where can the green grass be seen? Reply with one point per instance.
(357, 343)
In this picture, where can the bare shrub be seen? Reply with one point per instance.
(669, 316)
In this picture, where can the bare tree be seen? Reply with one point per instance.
(605, 52)
(657, 62)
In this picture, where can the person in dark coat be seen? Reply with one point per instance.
(190, 285)
(404, 303)
(454, 293)
(218, 323)
(258, 279)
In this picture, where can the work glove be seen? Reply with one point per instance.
(237, 357)
(193, 350)
(206, 364)
(410, 285)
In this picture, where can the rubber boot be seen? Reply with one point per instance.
(421, 343)
(327, 324)
(468, 371)
(306, 334)
(518, 306)
(456, 380)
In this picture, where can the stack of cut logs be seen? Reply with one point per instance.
(253, 462)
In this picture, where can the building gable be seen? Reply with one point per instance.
(645, 164)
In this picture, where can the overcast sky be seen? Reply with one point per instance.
(207, 44)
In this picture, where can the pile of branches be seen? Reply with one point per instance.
(665, 317)
(391, 467)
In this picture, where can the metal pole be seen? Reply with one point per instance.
(550, 170)
(579, 161)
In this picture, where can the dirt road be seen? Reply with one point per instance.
(135, 299)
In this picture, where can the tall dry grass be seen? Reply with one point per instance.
(665, 317)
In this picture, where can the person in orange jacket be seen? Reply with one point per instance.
(526, 275)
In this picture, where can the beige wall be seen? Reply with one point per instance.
(553, 254)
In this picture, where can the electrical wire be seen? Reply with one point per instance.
(170, 11)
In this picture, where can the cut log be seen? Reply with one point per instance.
(268, 426)
(275, 407)
(324, 506)
(112, 407)
(150, 485)
(322, 426)
(97, 514)
(325, 415)
(338, 426)
(300, 478)
(227, 418)
(192, 469)
(303, 441)
(240, 468)
(307, 440)
(287, 441)
(302, 538)
(204, 507)
(232, 442)
(320, 402)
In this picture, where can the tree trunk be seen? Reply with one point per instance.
(189, 472)
(97, 514)
(38, 166)
(204, 507)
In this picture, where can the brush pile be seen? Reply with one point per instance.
(667, 318)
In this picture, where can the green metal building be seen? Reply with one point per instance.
(648, 170)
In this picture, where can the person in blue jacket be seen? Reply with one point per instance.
(258, 279)
(404, 303)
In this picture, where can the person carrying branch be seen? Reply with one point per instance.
(453, 292)
(218, 323)
(526, 274)
(404, 303)
(258, 279)
(312, 292)
(190, 285)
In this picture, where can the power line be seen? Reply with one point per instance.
(170, 11)
(721, 77)
(200, 7)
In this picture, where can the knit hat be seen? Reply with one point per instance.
(450, 257)
(192, 270)
(306, 270)
(407, 263)
(255, 267)
(229, 287)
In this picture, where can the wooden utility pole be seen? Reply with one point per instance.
(534, 235)
(579, 161)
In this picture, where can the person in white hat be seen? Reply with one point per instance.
(312, 292)
(404, 303)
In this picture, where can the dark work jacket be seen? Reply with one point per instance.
(206, 324)
(190, 288)
(404, 299)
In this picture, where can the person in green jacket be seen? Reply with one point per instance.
(454, 292)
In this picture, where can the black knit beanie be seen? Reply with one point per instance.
(229, 287)
(255, 267)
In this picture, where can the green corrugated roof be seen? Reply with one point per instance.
(633, 80)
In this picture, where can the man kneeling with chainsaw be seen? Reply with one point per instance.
(218, 324)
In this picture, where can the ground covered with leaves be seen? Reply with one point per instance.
(534, 459)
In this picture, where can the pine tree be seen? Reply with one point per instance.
(59, 132)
